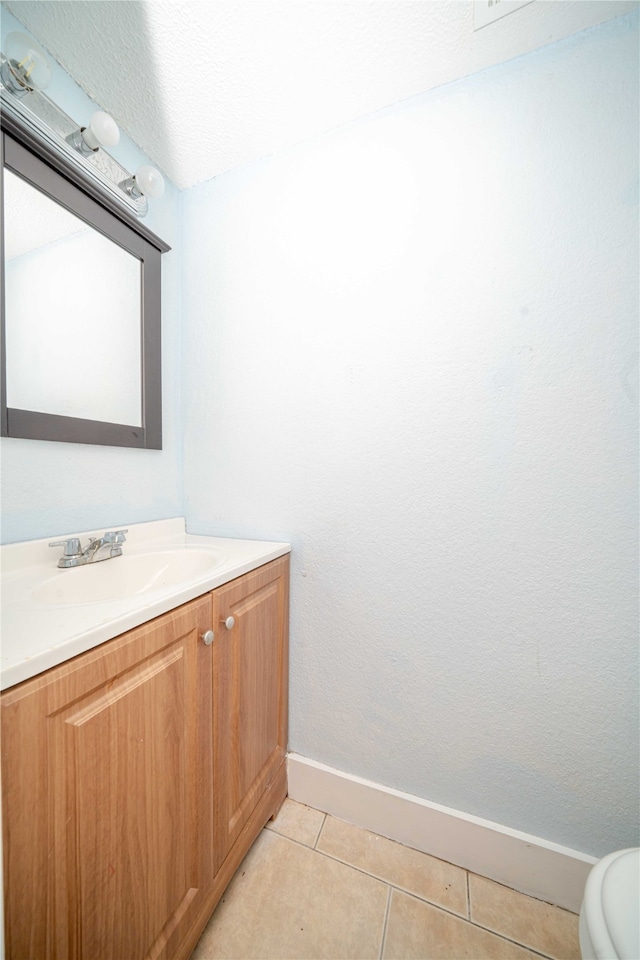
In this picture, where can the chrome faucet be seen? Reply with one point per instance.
(98, 548)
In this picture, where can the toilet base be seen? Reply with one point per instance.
(609, 926)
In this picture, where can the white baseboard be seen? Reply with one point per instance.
(526, 863)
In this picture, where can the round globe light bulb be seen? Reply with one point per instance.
(102, 131)
(29, 60)
(150, 181)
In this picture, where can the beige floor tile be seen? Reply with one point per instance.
(425, 876)
(538, 925)
(419, 931)
(298, 822)
(287, 901)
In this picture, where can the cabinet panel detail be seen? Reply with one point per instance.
(256, 686)
(129, 820)
(250, 722)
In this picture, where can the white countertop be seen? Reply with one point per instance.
(36, 636)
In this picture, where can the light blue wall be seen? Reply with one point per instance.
(410, 348)
(53, 488)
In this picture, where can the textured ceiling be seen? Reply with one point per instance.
(205, 86)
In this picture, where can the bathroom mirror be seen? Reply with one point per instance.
(80, 311)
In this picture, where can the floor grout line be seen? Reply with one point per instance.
(373, 876)
(324, 820)
(385, 880)
(472, 923)
(468, 898)
(410, 893)
(383, 941)
(432, 856)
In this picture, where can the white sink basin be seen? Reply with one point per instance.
(126, 576)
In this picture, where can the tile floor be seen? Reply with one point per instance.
(316, 887)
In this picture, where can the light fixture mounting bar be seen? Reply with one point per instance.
(50, 126)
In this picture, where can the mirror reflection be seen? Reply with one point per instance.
(72, 313)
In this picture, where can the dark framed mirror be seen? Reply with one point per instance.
(81, 307)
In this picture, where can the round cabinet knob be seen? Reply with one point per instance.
(207, 638)
(229, 623)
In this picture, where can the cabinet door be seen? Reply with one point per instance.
(250, 694)
(106, 769)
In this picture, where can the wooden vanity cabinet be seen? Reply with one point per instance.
(136, 776)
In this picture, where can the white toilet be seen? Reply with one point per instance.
(610, 914)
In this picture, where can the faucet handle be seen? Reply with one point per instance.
(71, 546)
(115, 536)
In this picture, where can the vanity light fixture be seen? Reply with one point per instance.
(26, 67)
(24, 73)
(102, 131)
